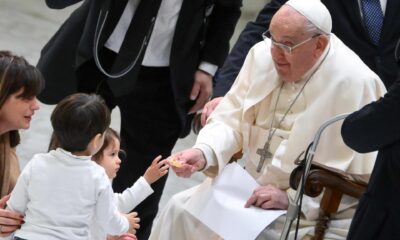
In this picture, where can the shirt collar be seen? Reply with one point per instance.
(69, 154)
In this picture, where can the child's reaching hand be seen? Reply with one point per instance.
(156, 170)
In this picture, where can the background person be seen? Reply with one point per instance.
(376, 127)
(175, 47)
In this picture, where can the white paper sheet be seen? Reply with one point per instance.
(219, 204)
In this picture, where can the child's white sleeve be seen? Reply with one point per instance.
(131, 197)
(106, 213)
(19, 196)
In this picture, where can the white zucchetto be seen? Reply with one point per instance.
(315, 12)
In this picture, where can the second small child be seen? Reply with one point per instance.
(109, 157)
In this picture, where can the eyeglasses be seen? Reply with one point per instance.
(287, 49)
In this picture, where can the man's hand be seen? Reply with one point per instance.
(187, 162)
(201, 91)
(268, 197)
(208, 109)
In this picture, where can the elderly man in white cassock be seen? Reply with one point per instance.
(290, 84)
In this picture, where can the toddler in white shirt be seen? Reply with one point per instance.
(60, 192)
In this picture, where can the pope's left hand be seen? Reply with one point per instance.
(268, 197)
(201, 91)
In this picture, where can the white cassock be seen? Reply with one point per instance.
(340, 83)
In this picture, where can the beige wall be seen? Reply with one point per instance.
(250, 10)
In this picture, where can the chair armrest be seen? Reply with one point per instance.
(321, 177)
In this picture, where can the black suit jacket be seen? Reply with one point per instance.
(197, 38)
(377, 127)
(347, 25)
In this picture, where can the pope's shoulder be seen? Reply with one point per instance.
(347, 66)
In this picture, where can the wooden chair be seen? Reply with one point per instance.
(332, 182)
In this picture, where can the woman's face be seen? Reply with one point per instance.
(110, 160)
(16, 112)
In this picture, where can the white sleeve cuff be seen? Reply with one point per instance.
(145, 186)
(211, 159)
(208, 67)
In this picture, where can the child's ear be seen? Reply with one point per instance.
(96, 143)
(98, 140)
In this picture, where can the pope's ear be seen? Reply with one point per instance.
(322, 43)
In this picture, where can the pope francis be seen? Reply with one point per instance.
(300, 76)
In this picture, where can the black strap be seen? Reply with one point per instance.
(136, 38)
(138, 33)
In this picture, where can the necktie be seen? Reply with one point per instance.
(373, 18)
(139, 29)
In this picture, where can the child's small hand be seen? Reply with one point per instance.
(133, 222)
(125, 236)
(156, 170)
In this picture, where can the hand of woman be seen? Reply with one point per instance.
(9, 220)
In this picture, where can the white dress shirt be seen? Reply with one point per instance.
(159, 47)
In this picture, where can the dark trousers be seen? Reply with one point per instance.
(150, 127)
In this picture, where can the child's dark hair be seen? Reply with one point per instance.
(77, 119)
(109, 135)
(16, 74)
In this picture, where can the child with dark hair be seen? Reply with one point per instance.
(60, 192)
(109, 157)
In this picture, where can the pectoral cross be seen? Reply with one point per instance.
(264, 154)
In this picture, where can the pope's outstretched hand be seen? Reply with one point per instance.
(186, 162)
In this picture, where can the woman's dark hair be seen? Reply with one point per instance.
(16, 74)
(77, 119)
(109, 135)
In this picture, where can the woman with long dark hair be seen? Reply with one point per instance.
(20, 83)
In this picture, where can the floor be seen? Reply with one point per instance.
(26, 25)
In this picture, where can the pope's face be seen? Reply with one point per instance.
(293, 50)
(16, 112)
